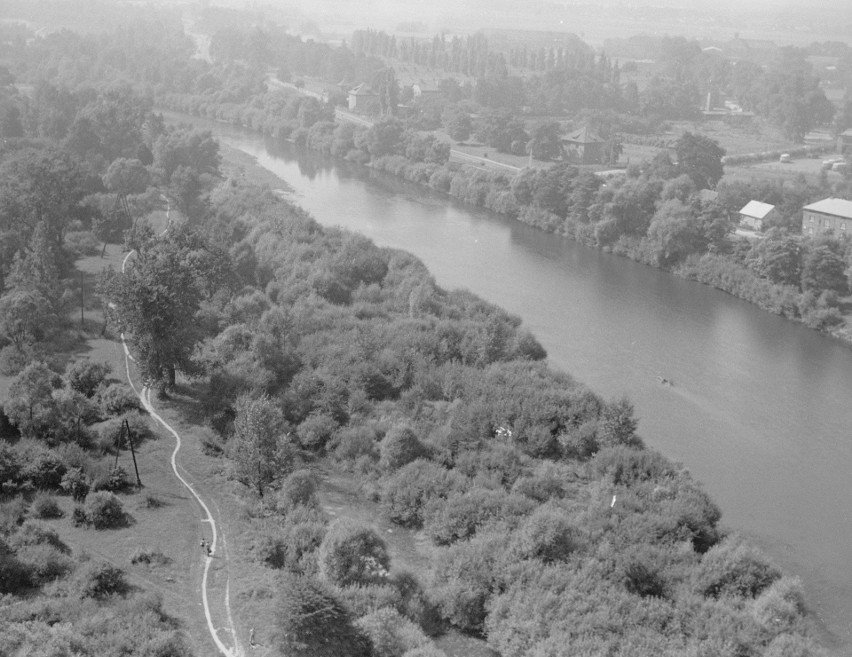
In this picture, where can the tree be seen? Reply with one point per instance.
(545, 142)
(458, 124)
(617, 424)
(824, 268)
(311, 622)
(155, 300)
(384, 82)
(700, 158)
(778, 257)
(352, 553)
(30, 396)
(24, 317)
(676, 232)
(385, 138)
(260, 449)
(86, 376)
(503, 131)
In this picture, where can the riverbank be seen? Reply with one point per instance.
(516, 197)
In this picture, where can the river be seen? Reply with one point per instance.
(760, 408)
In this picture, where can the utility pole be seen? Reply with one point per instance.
(82, 306)
(125, 426)
(133, 453)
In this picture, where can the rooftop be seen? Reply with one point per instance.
(834, 206)
(757, 209)
(583, 136)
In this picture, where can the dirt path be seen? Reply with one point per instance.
(218, 614)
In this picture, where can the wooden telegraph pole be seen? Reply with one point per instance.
(125, 427)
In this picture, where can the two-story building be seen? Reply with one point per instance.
(828, 215)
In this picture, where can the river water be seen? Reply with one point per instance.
(760, 408)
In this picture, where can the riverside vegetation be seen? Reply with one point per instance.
(550, 527)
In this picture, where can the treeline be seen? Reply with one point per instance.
(655, 214)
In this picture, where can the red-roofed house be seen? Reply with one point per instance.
(755, 214)
(829, 214)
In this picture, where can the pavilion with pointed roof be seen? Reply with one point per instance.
(583, 146)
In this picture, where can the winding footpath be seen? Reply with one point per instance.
(144, 395)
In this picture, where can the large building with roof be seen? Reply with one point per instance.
(828, 215)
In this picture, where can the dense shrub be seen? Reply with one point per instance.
(46, 507)
(117, 399)
(33, 532)
(462, 514)
(14, 575)
(547, 534)
(352, 553)
(390, 633)
(115, 481)
(104, 511)
(399, 447)
(86, 376)
(43, 563)
(407, 492)
(298, 489)
(733, 569)
(75, 482)
(101, 580)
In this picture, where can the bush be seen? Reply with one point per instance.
(14, 576)
(45, 507)
(400, 447)
(82, 243)
(316, 430)
(75, 482)
(298, 489)
(547, 534)
(366, 598)
(118, 398)
(352, 553)
(79, 517)
(148, 557)
(115, 481)
(33, 532)
(101, 580)
(86, 376)
(104, 511)
(153, 502)
(390, 633)
(43, 562)
(732, 569)
(409, 490)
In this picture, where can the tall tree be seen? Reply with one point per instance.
(700, 158)
(260, 449)
(155, 300)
